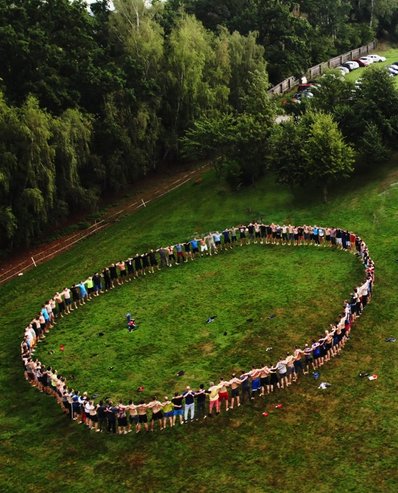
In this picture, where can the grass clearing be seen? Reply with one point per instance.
(343, 439)
(242, 287)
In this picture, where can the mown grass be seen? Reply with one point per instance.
(343, 439)
(391, 55)
(243, 288)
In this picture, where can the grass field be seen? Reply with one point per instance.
(343, 439)
(242, 287)
(391, 55)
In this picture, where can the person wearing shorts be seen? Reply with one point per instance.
(130, 268)
(142, 416)
(223, 395)
(122, 270)
(234, 232)
(214, 400)
(177, 408)
(187, 250)
(204, 250)
(234, 384)
(250, 229)
(167, 412)
(298, 365)
(265, 379)
(145, 263)
(137, 264)
(172, 257)
(133, 416)
(242, 234)
(263, 232)
(257, 234)
(195, 248)
(256, 382)
(61, 304)
(153, 261)
(157, 413)
(122, 418)
(245, 382)
(217, 240)
(227, 239)
(282, 374)
(83, 292)
(180, 253)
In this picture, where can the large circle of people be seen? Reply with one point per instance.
(227, 393)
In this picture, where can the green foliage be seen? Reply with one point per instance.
(313, 150)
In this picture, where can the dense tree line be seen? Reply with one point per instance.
(93, 98)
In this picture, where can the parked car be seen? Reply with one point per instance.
(367, 61)
(343, 70)
(361, 63)
(376, 58)
(351, 65)
(394, 65)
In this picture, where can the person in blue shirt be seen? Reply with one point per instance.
(83, 292)
(195, 247)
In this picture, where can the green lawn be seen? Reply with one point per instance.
(391, 55)
(339, 440)
(242, 287)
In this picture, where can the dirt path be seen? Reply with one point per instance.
(149, 189)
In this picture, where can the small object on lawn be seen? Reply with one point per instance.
(269, 348)
(390, 339)
(211, 319)
(100, 334)
(61, 347)
(132, 325)
(363, 374)
(271, 316)
(315, 374)
(141, 388)
(94, 396)
(110, 368)
(51, 352)
(373, 377)
(265, 413)
(20, 274)
(180, 373)
(278, 406)
(225, 333)
(324, 385)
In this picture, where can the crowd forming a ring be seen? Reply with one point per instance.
(203, 401)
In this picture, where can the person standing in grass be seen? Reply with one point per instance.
(200, 396)
(234, 383)
(180, 253)
(187, 250)
(153, 261)
(113, 273)
(122, 270)
(102, 425)
(142, 416)
(61, 304)
(167, 412)
(282, 373)
(122, 418)
(133, 416)
(111, 412)
(68, 301)
(195, 248)
(242, 234)
(130, 268)
(223, 394)
(177, 408)
(83, 292)
(189, 408)
(137, 265)
(214, 400)
(107, 279)
(245, 382)
(157, 414)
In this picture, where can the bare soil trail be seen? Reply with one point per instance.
(146, 190)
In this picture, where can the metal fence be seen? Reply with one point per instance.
(317, 70)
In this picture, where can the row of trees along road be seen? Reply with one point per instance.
(94, 98)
